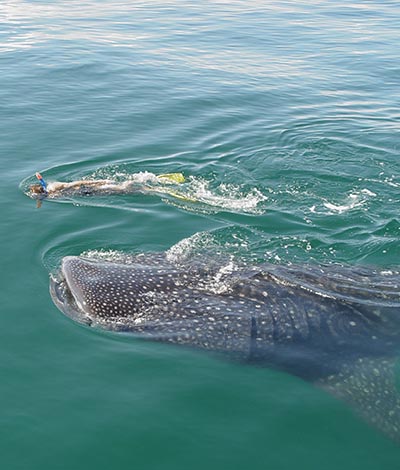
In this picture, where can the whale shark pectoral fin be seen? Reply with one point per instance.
(368, 386)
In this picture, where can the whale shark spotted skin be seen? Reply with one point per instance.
(338, 328)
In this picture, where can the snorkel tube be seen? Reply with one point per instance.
(42, 182)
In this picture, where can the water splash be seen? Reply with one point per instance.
(202, 195)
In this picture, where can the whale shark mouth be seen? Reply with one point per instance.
(67, 296)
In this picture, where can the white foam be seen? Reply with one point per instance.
(221, 281)
(225, 196)
(368, 192)
(143, 177)
(352, 201)
(186, 247)
(343, 207)
(113, 256)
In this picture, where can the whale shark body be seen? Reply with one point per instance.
(336, 327)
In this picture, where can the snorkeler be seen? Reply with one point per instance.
(58, 189)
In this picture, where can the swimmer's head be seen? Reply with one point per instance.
(37, 190)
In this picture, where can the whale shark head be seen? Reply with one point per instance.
(110, 295)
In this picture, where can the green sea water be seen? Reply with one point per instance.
(284, 118)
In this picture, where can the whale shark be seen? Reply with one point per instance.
(336, 327)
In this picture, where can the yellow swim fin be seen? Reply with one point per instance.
(172, 177)
(177, 195)
(181, 196)
(176, 178)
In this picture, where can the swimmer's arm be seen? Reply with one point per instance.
(59, 185)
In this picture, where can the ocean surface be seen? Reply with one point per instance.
(284, 118)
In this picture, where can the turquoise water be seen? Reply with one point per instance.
(284, 117)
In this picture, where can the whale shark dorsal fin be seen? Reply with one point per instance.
(368, 386)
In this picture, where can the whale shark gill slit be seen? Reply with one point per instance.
(336, 327)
